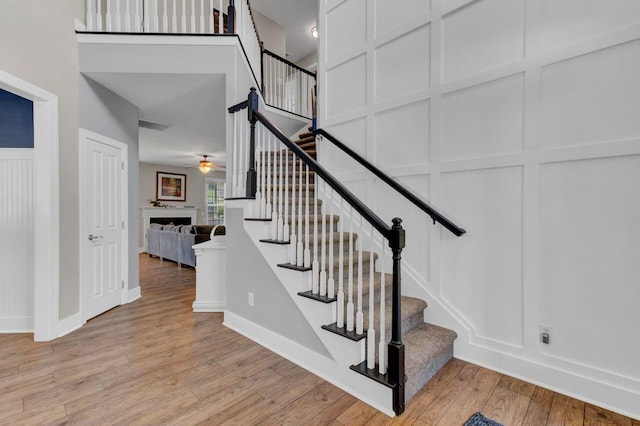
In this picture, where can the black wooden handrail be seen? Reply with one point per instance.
(347, 195)
(402, 190)
(286, 61)
(237, 107)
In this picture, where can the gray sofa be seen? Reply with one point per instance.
(175, 242)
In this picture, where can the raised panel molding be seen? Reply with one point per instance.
(482, 35)
(402, 135)
(346, 21)
(391, 15)
(500, 125)
(568, 22)
(481, 274)
(483, 120)
(590, 244)
(344, 93)
(392, 80)
(592, 98)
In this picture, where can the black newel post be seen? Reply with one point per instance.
(396, 347)
(252, 176)
(231, 17)
(262, 66)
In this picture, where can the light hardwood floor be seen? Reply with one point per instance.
(155, 362)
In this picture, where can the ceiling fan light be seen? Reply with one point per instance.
(205, 165)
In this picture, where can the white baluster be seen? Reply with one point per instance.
(307, 252)
(276, 192)
(108, 17)
(350, 306)
(382, 346)
(174, 18)
(323, 232)
(221, 18)
(359, 314)
(183, 20)
(202, 30)
(127, 17)
(331, 290)
(300, 246)
(89, 15)
(263, 200)
(118, 18)
(340, 297)
(281, 194)
(165, 18)
(293, 240)
(371, 332)
(285, 210)
(234, 169)
(241, 137)
(193, 16)
(137, 19)
(315, 265)
(256, 202)
(211, 18)
(146, 20)
(156, 17)
(99, 16)
(269, 204)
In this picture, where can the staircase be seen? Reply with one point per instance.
(338, 248)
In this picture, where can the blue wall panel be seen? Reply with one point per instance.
(16, 121)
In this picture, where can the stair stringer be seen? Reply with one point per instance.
(344, 352)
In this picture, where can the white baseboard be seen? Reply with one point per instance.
(133, 294)
(209, 306)
(323, 367)
(140, 250)
(16, 324)
(70, 324)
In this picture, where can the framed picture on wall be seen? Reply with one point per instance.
(171, 187)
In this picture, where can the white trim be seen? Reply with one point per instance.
(16, 324)
(70, 324)
(141, 250)
(209, 306)
(133, 294)
(47, 216)
(84, 134)
(311, 361)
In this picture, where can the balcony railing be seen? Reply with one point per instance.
(285, 85)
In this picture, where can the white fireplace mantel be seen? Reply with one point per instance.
(149, 212)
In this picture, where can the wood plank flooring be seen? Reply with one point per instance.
(155, 362)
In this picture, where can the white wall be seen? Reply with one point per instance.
(271, 34)
(37, 44)
(195, 190)
(520, 121)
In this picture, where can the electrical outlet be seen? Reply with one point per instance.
(545, 334)
(250, 299)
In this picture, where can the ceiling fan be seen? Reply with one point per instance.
(205, 165)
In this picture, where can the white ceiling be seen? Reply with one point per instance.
(297, 17)
(193, 105)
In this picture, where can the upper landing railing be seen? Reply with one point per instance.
(284, 85)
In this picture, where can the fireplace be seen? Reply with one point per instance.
(171, 220)
(165, 216)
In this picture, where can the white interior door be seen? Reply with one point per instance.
(103, 223)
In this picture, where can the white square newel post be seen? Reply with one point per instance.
(211, 277)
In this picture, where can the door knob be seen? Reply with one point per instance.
(94, 237)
